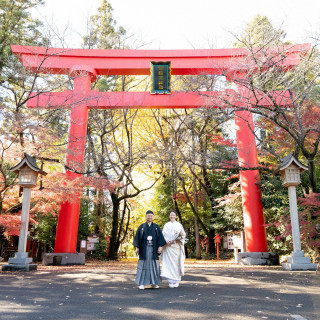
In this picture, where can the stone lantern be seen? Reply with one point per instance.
(28, 172)
(291, 169)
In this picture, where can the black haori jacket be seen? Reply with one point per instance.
(140, 239)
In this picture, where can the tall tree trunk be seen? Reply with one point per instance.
(176, 206)
(195, 199)
(177, 209)
(196, 224)
(208, 190)
(211, 231)
(197, 236)
(121, 223)
(115, 225)
(127, 226)
(312, 176)
(211, 235)
(99, 212)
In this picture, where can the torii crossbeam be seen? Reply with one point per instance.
(84, 66)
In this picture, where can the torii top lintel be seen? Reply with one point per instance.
(137, 62)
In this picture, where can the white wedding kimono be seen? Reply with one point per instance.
(173, 256)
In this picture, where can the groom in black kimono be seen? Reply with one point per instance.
(148, 241)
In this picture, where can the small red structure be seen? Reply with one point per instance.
(217, 240)
(206, 242)
(85, 64)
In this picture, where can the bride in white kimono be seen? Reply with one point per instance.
(173, 255)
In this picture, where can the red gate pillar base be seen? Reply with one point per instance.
(253, 219)
(63, 259)
(67, 230)
(258, 258)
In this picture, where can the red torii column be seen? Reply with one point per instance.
(68, 219)
(253, 218)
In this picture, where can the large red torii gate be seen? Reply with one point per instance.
(84, 65)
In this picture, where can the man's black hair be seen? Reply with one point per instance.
(149, 211)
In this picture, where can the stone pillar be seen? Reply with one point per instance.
(294, 218)
(297, 260)
(24, 220)
(21, 262)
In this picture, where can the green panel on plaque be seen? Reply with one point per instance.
(160, 77)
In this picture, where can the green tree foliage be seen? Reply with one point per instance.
(102, 30)
(259, 32)
(291, 123)
(229, 208)
(45, 231)
(100, 251)
(85, 220)
(17, 26)
(275, 203)
(163, 199)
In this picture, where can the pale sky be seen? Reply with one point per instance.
(185, 24)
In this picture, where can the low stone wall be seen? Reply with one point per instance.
(63, 259)
(21, 267)
(258, 258)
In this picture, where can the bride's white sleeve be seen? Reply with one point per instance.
(183, 234)
(165, 232)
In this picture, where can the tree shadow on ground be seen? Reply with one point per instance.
(112, 294)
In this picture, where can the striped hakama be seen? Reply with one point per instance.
(148, 271)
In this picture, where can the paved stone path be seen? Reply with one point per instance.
(208, 291)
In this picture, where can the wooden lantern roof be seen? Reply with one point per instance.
(30, 162)
(288, 160)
